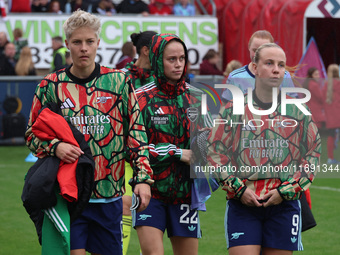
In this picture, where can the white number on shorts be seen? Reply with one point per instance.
(295, 223)
(184, 218)
(193, 219)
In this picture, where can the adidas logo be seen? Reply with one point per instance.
(159, 111)
(67, 104)
(191, 228)
(293, 239)
(249, 127)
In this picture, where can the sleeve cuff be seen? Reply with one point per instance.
(240, 192)
(53, 146)
(180, 152)
(282, 196)
(133, 182)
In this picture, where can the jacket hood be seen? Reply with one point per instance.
(158, 43)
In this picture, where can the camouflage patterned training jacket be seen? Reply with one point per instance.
(139, 76)
(265, 152)
(170, 112)
(104, 108)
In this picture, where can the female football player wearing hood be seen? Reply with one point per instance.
(170, 111)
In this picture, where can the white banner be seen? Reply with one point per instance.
(200, 33)
(323, 9)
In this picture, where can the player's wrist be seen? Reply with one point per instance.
(281, 195)
(240, 192)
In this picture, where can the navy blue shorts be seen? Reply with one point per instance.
(177, 219)
(277, 226)
(99, 229)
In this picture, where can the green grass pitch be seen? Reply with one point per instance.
(18, 236)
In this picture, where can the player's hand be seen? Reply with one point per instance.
(186, 156)
(205, 128)
(68, 152)
(143, 190)
(249, 198)
(273, 198)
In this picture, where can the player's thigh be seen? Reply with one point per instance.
(151, 240)
(78, 252)
(98, 229)
(245, 250)
(243, 225)
(153, 216)
(282, 229)
(184, 245)
(150, 225)
(271, 251)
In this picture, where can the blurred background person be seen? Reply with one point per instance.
(76, 4)
(133, 6)
(332, 106)
(184, 8)
(140, 70)
(3, 41)
(190, 73)
(39, 5)
(316, 103)
(68, 59)
(19, 42)
(35, 6)
(209, 63)
(159, 7)
(231, 66)
(65, 6)
(7, 60)
(59, 51)
(129, 53)
(106, 7)
(54, 7)
(25, 65)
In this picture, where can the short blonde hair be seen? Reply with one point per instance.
(263, 46)
(79, 19)
(261, 34)
(25, 63)
(231, 66)
(332, 73)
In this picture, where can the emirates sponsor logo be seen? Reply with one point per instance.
(93, 124)
(264, 148)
